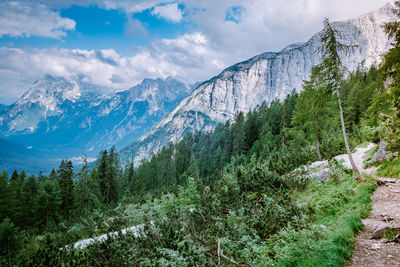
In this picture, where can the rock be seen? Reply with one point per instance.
(381, 154)
(317, 164)
(380, 232)
(322, 175)
(264, 78)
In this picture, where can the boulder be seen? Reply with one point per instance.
(381, 154)
(321, 175)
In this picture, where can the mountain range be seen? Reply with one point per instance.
(59, 118)
(263, 78)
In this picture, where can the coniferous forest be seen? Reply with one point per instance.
(232, 189)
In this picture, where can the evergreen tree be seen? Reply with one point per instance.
(66, 184)
(21, 178)
(9, 241)
(252, 129)
(391, 69)
(53, 175)
(14, 176)
(29, 193)
(311, 108)
(238, 135)
(86, 196)
(47, 204)
(332, 70)
(107, 172)
(4, 196)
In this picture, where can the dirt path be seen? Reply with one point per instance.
(372, 249)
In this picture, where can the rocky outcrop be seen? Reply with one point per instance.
(381, 154)
(263, 78)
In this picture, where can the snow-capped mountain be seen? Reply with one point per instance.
(265, 77)
(63, 118)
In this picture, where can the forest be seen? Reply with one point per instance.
(228, 188)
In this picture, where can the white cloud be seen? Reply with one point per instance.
(134, 27)
(267, 25)
(187, 57)
(170, 12)
(27, 18)
(216, 43)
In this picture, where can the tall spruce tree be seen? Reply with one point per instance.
(86, 193)
(29, 192)
(4, 195)
(311, 107)
(107, 175)
(332, 69)
(47, 204)
(66, 184)
(391, 69)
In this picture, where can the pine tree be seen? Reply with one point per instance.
(332, 70)
(4, 196)
(14, 176)
(107, 174)
(53, 175)
(311, 108)
(238, 135)
(29, 193)
(9, 241)
(21, 178)
(47, 204)
(66, 184)
(86, 191)
(391, 69)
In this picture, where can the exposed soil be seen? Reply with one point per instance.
(379, 243)
(372, 246)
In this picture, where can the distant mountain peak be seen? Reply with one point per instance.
(69, 118)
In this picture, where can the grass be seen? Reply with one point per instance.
(390, 168)
(391, 233)
(335, 212)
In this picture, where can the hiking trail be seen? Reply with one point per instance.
(379, 243)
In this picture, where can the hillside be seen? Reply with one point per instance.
(291, 182)
(263, 78)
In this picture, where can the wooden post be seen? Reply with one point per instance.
(219, 253)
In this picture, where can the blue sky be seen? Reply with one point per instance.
(117, 43)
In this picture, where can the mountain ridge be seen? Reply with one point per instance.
(264, 77)
(69, 118)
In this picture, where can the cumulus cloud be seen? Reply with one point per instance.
(134, 27)
(257, 26)
(187, 57)
(27, 18)
(216, 42)
(170, 12)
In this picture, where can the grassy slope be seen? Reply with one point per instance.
(337, 209)
(390, 168)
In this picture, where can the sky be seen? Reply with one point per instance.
(117, 43)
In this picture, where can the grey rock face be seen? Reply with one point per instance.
(263, 78)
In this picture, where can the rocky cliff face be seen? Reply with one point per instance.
(64, 118)
(265, 77)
